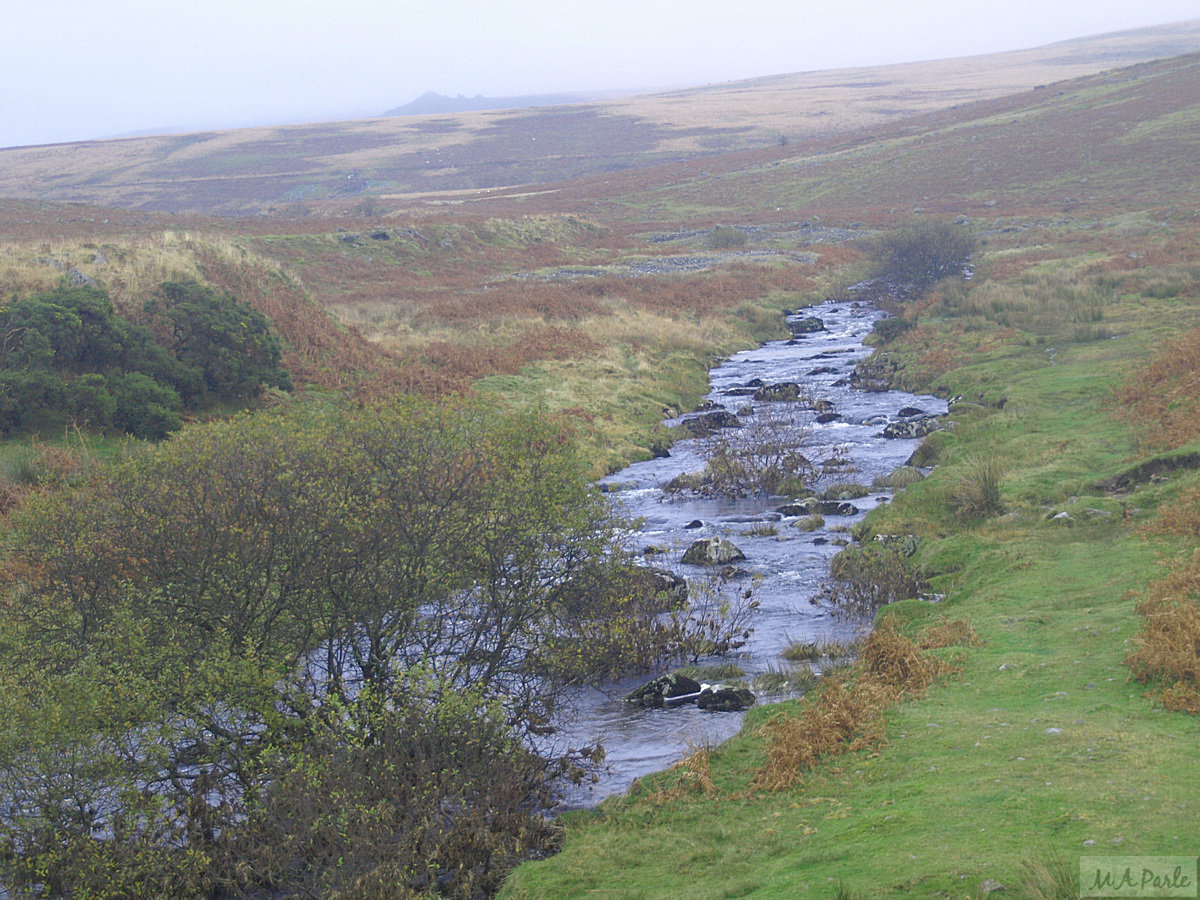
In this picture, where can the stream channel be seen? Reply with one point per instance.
(787, 570)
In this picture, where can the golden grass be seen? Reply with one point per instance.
(847, 712)
(1167, 649)
(1162, 399)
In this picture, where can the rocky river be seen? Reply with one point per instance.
(785, 568)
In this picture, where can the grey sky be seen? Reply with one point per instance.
(78, 69)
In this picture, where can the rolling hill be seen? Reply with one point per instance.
(289, 169)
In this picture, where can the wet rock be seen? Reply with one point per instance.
(709, 422)
(694, 524)
(814, 507)
(914, 428)
(827, 417)
(720, 698)
(713, 551)
(775, 393)
(654, 694)
(911, 412)
(807, 325)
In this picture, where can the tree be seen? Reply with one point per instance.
(210, 640)
(923, 252)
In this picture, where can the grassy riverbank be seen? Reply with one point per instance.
(1038, 749)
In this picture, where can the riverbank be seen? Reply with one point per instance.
(1038, 750)
(787, 556)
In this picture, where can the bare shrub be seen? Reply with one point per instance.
(924, 252)
(771, 454)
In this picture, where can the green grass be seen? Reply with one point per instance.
(1039, 750)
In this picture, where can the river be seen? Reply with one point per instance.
(786, 570)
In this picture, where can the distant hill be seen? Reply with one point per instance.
(394, 160)
(430, 104)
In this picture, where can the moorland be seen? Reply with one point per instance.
(525, 321)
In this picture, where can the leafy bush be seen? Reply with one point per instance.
(69, 356)
(226, 347)
(220, 633)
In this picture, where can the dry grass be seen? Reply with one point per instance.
(1167, 653)
(947, 633)
(847, 713)
(1162, 399)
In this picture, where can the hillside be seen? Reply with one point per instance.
(994, 737)
(378, 162)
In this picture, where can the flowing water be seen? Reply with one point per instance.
(786, 571)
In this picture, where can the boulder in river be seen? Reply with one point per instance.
(713, 551)
(654, 694)
(723, 698)
(912, 428)
(774, 393)
(709, 422)
(814, 507)
(807, 325)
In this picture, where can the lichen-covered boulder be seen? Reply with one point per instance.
(713, 551)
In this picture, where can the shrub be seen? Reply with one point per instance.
(725, 237)
(922, 253)
(869, 577)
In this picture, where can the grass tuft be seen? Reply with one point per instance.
(975, 491)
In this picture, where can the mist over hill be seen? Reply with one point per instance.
(391, 159)
(431, 103)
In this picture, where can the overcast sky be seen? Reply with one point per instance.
(79, 69)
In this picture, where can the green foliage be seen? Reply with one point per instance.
(214, 637)
(67, 356)
(920, 254)
(226, 347)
